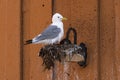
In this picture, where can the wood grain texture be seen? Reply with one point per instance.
(83, 16)
(117, 38)
(37, 16)
(107, 40)
(10, 39)
(97, 23)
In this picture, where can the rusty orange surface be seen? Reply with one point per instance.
(10, 40)
(97, 23)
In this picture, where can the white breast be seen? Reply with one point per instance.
(59, 25)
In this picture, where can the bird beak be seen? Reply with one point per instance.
(64, 18)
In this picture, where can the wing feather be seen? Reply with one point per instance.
(49, 33)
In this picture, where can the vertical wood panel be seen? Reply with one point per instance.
(10, 39)
(37, 16)
(83, 16)
(107, 40)
(117, 37)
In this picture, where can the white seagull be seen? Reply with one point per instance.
(51, 35)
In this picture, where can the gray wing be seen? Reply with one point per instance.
(51, 32)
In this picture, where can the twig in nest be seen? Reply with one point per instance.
(62, 52)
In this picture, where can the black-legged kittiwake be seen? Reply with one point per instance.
(52, 34)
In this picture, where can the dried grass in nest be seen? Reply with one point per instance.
(57, 52)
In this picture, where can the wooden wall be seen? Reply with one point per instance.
(96, 21)
(10, 46)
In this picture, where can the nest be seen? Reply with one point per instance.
(60, 52)
(50, 54)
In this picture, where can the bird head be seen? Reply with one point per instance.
(58, 18)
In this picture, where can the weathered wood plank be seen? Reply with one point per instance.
(107, 40)
(37, 16)
(10, 39)
(83, 16)
(117, 38)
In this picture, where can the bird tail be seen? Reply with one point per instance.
(28, 42)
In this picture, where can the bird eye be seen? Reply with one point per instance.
(58, 17)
